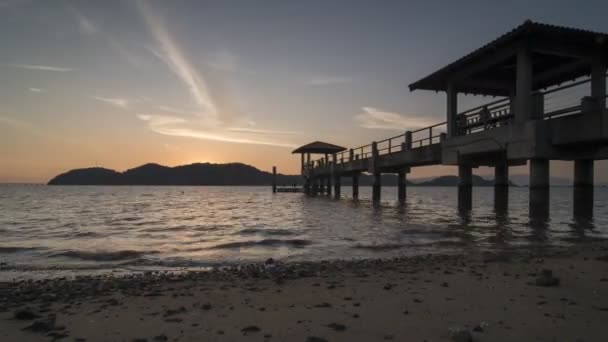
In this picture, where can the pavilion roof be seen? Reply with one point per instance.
(559, 54)
(320, 148)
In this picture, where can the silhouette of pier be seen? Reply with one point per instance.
(551, 87)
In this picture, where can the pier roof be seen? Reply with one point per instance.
(559, 54)
(319, 147)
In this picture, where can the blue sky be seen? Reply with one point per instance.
(121, 83)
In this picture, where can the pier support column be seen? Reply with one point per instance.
(523, 86)
(598, 82)
(377, 186)
(356, 186)
(501, 188)
(315, 186)
(452, 106)
(402, 185)
(337, 187)
(583, 190)
(321, 190)
(539, 190)
(274, 179)
(465, 187)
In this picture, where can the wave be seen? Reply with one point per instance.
(379, 247)
(17, 249)
(254, 231)
(104, 255)
(296, 243)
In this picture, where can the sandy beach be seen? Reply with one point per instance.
(507, 296)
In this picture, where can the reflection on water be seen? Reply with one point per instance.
(131, 227)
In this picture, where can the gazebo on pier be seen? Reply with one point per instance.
(317, 147)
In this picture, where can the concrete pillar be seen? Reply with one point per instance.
(501, 188)
(583, 173)
(328, 185)
(377, 186)
(337, 187)
(307, 185)
(321, 186)
(356, 186)
(274, 179)
(501, 175)
(308, 159)
(539, 173)
(598, 81)
(539, 191)
(315, 186)
(583, 190)
(465, 187)
(402, 188)
(452, 110)
(302, 162)
(351, 155)
(408, 140)
(523, 85)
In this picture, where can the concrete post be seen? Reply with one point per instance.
(501, 188)
(598, 81)
(452, 110)
(402, 187)
(408, 140)
(337, 187)
(539, 173)
(356, 186)
(308, 159)
(583, 173)
(321, 186)
(465, 187)
(329, 184)
(523, 86)
(539, 191)
(351, 155)
(302, 163)
(377, 186)
(315, 186)
(501, 175)
(274, 179)
(583, 190)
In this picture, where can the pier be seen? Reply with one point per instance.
(532, 71)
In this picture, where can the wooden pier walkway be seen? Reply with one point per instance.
(551, 84)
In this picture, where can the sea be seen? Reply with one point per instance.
(64, 231)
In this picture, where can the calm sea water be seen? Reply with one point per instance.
(46, 230)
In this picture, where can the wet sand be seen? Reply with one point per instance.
(507, 296)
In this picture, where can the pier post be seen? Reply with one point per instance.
(402, 187)
(355, 186)
(539, 190)
(583, 190)
(274, 179)
(377, 186)
(465, 187)
(598, 82)
(315, 186)
(501, 188)
(523, 86)
(351, 155)
(408, 140)
(336, 176)
(452, 110)
(321, 190)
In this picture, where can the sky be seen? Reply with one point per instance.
(118, 84)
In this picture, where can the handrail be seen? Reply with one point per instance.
(484, 106)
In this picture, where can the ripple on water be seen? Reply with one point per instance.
(295, 243)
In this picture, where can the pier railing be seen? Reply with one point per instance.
(569, 99)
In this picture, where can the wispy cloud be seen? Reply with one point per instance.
(37, 90)
(262, 131)
(377, 119)
(169, 52)
(41, 67)
(86, 25)
(117, 102)
(320, 80)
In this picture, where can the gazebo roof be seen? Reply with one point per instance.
(320, 148)
(559, 54)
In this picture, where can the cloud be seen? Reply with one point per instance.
(37, 90)
(41, 67)
(326, 80)
(377, 119)
(86, 25)
(180, 127)
(122, 103)
(169, 52)
(262, 131)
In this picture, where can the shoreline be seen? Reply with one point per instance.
(491, 296)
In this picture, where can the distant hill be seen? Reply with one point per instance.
(218, 174)
(193, 174)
